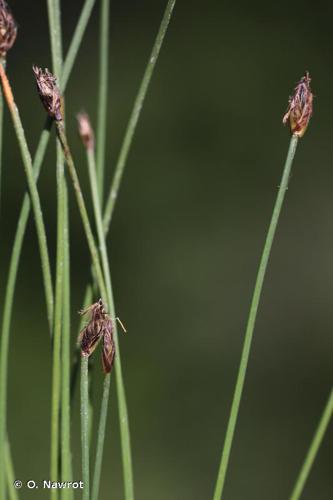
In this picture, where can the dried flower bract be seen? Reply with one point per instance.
(300, 107)
(49, 92)
(85, 130)
(99, 327)
(8, 29)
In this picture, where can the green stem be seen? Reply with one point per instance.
(82, 209)
(101, 438)
(13, 494)
(123, 414)
(56, 50)
(313, 450)
(8, 308)
(58, 317)
(135, 114)
(76, 42)
(252, 319)
(66, 455)
(103, 93)
(85, 427)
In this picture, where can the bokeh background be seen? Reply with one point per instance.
(185, 244)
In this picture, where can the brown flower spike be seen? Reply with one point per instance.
(85, 131)
(299, 110)
(49, 92)
(99, 327)
(8, 29)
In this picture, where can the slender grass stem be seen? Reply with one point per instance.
(27, 163)
(313, 450)
(101, 438)
(13, 494)
(57, 375)
(82, 209)
(85, 427)
(58, 323)
(135, 115)
(102, 108)
(76, 42)
(7, 312)
(252, 319)
(66, 455)
(124, 427)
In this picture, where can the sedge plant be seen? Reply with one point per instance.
(298, 115)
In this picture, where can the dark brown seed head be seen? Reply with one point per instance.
(8, 29)
(85, 131)
(299, 109)
(49, 92)
(108, 351)
(99, 327)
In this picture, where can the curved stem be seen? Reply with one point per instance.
(252, 319)
(313, 450)
(39, 221)
(135, 115)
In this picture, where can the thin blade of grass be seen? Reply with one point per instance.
(102, 107)
(135, 115)
(124, 426)
(9, 468)
(251, 321)
(66, 454)
(85, 427)
(313, 450)
(54, 17)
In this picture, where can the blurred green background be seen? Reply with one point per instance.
(185, 244)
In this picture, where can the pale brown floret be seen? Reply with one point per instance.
(85, 130)
(99, 327)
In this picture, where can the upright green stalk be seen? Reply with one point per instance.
(66, 455)
(85, 427)
(313, 450)
(102, 109)
(252, 319)
(76, 42)
(101, 438)
(135, 114)
(124, 427)
(13, 494)
(56, 49)
(82, 209)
